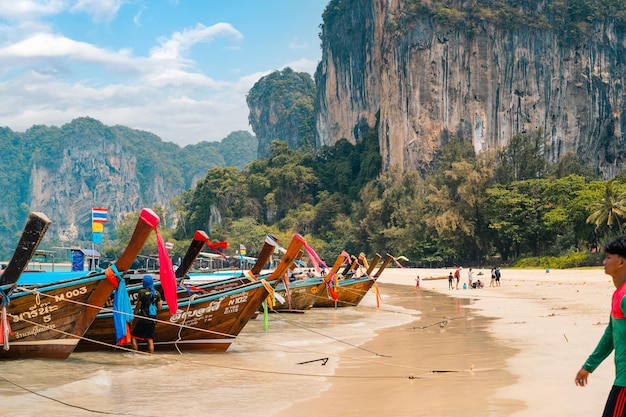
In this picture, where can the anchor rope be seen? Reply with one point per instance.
(422, 372)
(300, 349)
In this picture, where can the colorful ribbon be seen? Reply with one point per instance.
(5, 326)
(122, 314)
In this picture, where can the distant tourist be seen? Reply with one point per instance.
(450, 279)
(457, 276)
(417, 283)
(478, 284)
(148, 303)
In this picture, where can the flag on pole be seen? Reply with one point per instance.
(242, 250)
(99, 215)
(98, 218)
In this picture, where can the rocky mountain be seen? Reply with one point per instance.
(281, 107)
(483, 70)
(65, 172)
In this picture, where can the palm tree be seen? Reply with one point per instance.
(610, 210)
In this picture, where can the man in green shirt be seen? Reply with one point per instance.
(614, 337)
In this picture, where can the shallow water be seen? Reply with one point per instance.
(263, 372)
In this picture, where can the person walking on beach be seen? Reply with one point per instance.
(417, 283)
(493, 278)
(148, 303)
(614, 337)
(457, 276)
(497, 272)
(470, 278)
(450, 278)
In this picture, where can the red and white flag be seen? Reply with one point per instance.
(99, 215)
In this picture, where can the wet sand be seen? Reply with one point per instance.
(507, 351)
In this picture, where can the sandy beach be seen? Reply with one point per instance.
(507, 351)
(512, 350)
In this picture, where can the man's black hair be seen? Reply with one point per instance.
(617, 247)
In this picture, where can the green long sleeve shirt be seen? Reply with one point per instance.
(614, 338)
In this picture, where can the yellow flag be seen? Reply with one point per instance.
(97, 227)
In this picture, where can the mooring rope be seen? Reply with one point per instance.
(110, 310)
(281, 346)
(422, 371)
(334, 338)
(180, 329)
(299, 374)
(77, 407)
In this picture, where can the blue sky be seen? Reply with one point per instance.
(177, 68)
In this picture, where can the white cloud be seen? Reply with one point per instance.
(296, 44)
(180, 43)
(302, 65)
(137, 16)
(164, 77)
(30, 10)
(99, 10)
(47, 45)
(35, 98)
(48, 78)
(21, 10)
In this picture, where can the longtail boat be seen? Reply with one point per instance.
(350, 290)
(208, 321)
(301, 295)
(100, 331)
(218, 282)
(47, 321)
(292, 296)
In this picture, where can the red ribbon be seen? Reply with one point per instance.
(167, 275)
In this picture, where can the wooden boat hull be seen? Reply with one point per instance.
(350, 292)
(47, 322)
(302, 294)
(205, 322)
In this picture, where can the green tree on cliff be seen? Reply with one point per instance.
(281, 108)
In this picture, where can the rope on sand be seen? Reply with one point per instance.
(336, 339)
(300, 349)
(78, 407)
(441, 323)
(410, 376)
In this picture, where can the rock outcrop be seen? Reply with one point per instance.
(281, 107)
(485, 82)
(97, 172)
(65, 172)
(87, 178)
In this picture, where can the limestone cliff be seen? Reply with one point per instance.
(95, 171)
(281, 107)
(430, 79)
(65, 172)
(86, 178)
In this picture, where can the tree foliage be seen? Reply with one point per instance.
(571, 19)
(609, 211)
(24, 156)
(281, 106)
(492, 207)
